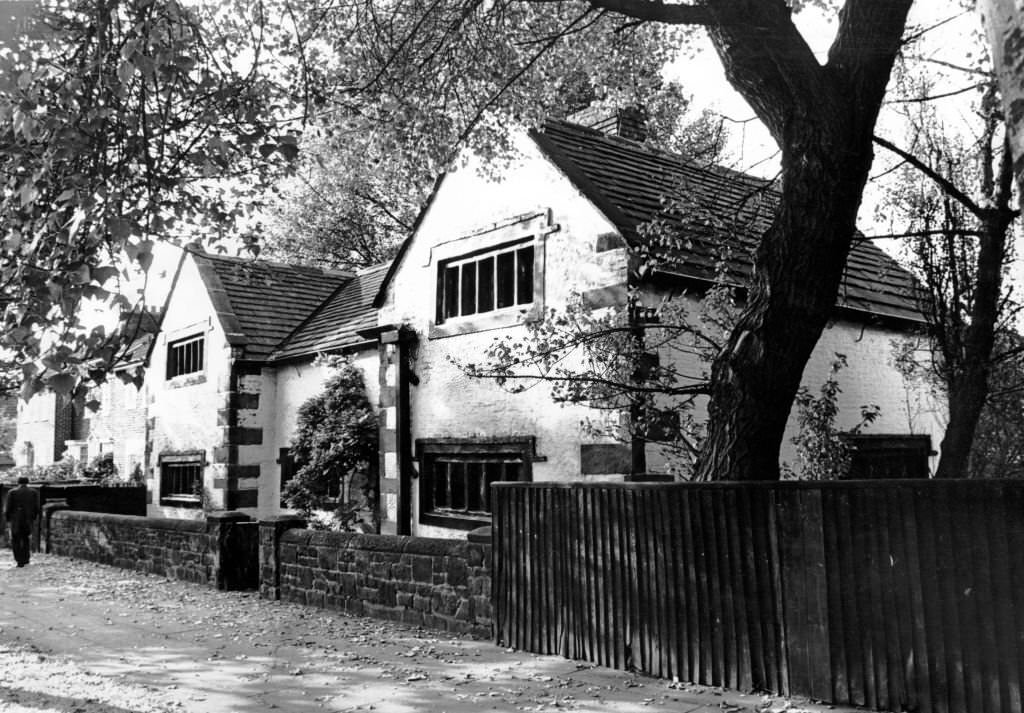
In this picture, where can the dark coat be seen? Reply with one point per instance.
(22, 508)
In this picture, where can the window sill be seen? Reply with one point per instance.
(483, 322)
(454, 522)
(181, 501)
(180, 382)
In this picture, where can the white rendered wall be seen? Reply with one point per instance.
(447, 403)
(184, 410)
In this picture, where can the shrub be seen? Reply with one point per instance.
(101, 469)
(822, 452)
(335, 449)
(67, 468)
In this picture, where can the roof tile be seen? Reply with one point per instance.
(714, 215)
(269, 300)
(335, 325)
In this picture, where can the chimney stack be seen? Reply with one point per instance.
(625, 122)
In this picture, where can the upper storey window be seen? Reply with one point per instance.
(486, 281)
(185, 356)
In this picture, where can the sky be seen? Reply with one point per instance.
(752, 147)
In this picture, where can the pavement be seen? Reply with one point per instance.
(78, 637)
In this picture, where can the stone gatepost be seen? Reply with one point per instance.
(231, 550)
(41, 539)
(271, 530)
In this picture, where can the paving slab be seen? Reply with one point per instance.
(80, 637)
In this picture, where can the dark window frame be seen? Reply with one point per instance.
(184, 359)
(194, 461)
(471, 284)
(888, 455)
(475, 456)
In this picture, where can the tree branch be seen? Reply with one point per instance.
(944, 183)
(702, 389)
(672, 14)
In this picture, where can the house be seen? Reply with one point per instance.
(235, 357)
(50, 427)
(232, 359)
(45, 424)
(559, 220)
(211, 384)
(118, 427)
(8, 430)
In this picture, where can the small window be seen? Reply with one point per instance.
(185, 356)
(456, 477)
(885, 456)
(497, 279)
(181, 480)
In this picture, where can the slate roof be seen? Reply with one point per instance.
(717, 217)
(260, 303)
(335, 325)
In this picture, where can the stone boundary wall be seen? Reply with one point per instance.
(200, 551)
(435, 583)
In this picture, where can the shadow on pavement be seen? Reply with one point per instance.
(228, 652)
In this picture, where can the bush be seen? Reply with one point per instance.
(102, 469)
(67, 468)
(822, 452)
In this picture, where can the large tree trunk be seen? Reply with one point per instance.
(823, 119)
(799, 266)
(1004, 22)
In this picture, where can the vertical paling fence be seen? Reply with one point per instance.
(894, 595)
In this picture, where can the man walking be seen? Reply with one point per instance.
(21, 511)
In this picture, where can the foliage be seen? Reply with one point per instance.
(335, 450)
(137, 477)
(342, 208)
(394, 104)
(68, 468)
(411, 87)
(822, 451)
(121, 125)
(998, 447)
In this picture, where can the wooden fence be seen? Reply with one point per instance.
(898, 595)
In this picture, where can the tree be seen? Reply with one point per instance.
(128, 121)
(349, 206)
(961, 248)
(342, 208)
(821, 115)
(335, 448)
